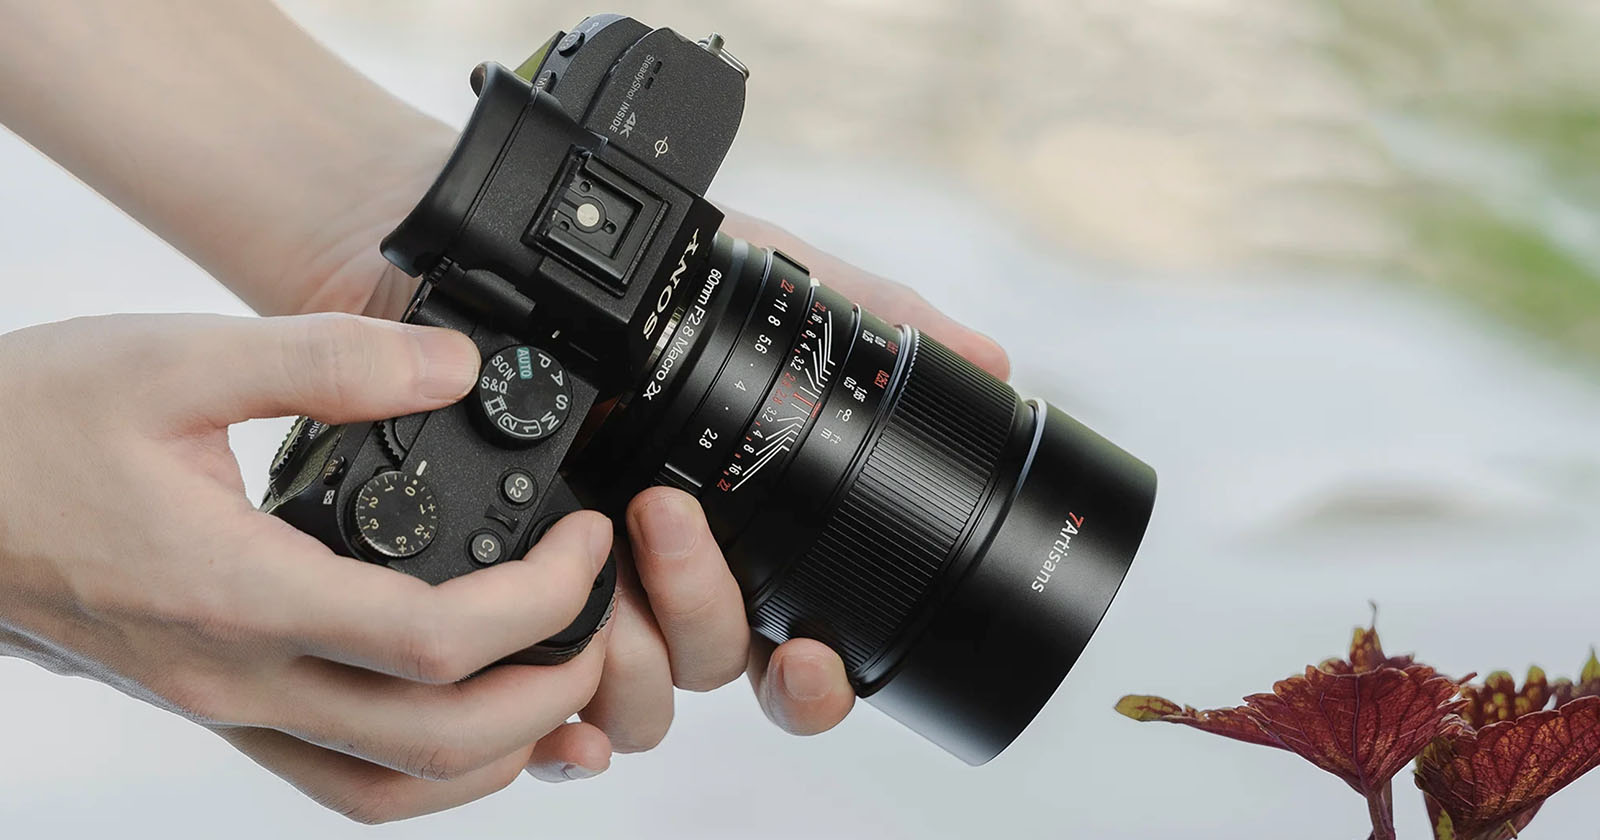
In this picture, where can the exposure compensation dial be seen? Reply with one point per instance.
(395, 515)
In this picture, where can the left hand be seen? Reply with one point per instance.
(281, 187)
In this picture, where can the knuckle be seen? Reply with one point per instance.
(630, 653)
(102, 598)
(577, 681)
(430, 655)
(439, 761)
(206, 615)
(142, 353)
(202, 699)
(590, 670)
(904, 291)
(331, 357)
(710, 677)
(370, 804)
(643, 736)
(688, 606)
(651, 495)
(199, 614)
(205, 612)
(358, 810)
(503, 777)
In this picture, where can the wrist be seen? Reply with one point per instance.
(292, 157)
(327, 258)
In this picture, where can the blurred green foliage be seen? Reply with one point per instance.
(1512, 91)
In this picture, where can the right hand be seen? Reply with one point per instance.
(129, 554)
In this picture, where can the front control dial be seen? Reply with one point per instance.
(395, 515)
(523, 394)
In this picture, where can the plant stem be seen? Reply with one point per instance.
(1380, 807)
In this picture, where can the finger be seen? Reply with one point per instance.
(801, 685)
(373, 617)
(891, 301)
(429, 731)
(363, 791)
(692, 594)
(633, 704)
(899, 304)
(574, 751)
(337, 368)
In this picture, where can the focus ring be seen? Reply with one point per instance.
(904, 514)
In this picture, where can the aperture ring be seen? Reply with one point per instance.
(752, 366)
(904, 515)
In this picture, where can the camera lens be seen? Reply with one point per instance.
(871, 489)
(955, 544)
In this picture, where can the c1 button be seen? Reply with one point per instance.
(486, 548)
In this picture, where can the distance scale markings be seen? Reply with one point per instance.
(710, 433)
(847, 415)
(824, 462)
(796, 397)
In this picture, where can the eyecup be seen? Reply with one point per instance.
(1012, 628)
(427, 231)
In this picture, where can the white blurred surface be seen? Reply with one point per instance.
(1319, 444)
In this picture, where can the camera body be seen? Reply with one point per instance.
(955, 544)
(569, 294)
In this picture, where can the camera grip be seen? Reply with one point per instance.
(440, 494)
(596, 610)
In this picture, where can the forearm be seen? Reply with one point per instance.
(223, 128)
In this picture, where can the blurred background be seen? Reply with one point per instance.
(1331, 266)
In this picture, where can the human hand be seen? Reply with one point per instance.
(680, 619)
(317, 165)
(129, 554)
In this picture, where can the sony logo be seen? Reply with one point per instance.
(1058, 551)
(664, 299)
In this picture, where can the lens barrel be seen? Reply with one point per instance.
(956, 545)
(873, 490)
(1002, 637)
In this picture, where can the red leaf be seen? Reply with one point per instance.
(1362, 728)
(1588, 683)
(1361, 719)
(1498, 698)
(1366, 654)
(1239, 724)
(1487, 784)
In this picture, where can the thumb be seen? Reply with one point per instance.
(337, 368)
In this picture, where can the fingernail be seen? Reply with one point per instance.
(803, 679)
(574, 772)
(449, 363)
(668, 525)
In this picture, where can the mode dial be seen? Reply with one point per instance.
(395, 514)
(523, 394)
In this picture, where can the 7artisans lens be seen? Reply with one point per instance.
(871, 489)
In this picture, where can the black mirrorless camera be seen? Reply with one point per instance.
(956, 545)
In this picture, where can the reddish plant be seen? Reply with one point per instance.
(1487, 755)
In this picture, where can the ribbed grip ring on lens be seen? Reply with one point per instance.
(902, 517)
